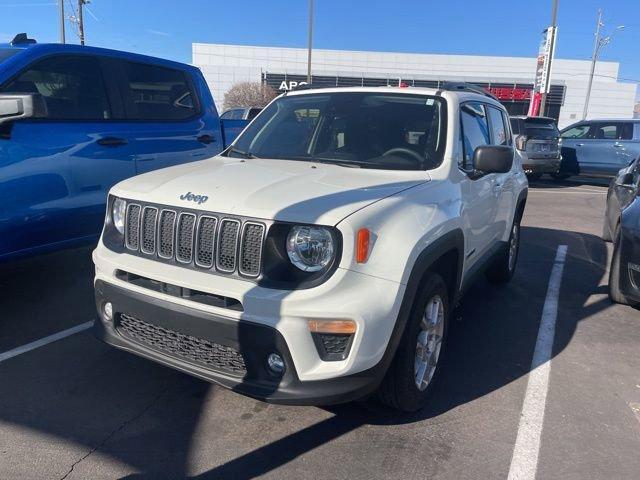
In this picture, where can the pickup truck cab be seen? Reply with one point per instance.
(76, 120)
(318, 258)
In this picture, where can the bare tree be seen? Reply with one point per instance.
(248, 94)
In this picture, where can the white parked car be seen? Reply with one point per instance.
(317, 260)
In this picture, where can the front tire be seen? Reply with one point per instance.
(615, 294)
(409, 381)
(503, 267)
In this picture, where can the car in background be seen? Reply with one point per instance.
(76, 120)
(621, 226)
(245, 113)
(599, 148)
(537, 141)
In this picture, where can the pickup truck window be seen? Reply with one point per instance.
(72, 87)
(475, 130)
(362, 129)
(157, 93)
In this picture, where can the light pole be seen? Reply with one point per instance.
(309, 41)
(599, 42)
(554, 21)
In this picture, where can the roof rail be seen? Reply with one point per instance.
(21, 39)
(467, 87)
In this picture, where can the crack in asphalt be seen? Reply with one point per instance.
(117, 430)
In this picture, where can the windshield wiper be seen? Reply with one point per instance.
(242, 153)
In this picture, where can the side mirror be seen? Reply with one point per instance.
(493, 159)
(16, 106)
(626, 179)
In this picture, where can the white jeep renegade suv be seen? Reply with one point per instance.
(318, 259)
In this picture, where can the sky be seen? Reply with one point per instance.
(167, 28)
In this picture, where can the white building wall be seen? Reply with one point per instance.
(225, 65)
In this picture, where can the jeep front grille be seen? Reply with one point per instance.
(193, 349)
(204, 241)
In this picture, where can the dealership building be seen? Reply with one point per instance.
(509, 78)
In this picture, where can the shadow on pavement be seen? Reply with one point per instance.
(146, 416)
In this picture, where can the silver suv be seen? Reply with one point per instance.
(599, 148)
(537, 141)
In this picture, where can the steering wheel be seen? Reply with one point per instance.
(406, 151)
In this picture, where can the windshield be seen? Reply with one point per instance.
(7, 52)
(361, 129)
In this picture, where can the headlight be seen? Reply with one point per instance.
(118, 212)
(310, 248)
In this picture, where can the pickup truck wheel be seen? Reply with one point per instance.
(411, 376)
(504, 266)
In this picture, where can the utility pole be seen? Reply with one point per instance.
(61, 5)
(310, 41)
(594, 59)
(554, 21)
(81, 21)
(599, 42)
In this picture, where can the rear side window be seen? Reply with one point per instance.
(72, 87)
(499, 131)
(614, 131)
(475, 130)
(157, 93)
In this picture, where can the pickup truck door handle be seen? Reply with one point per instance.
(206, 139)
(579, 144)
(617, 145)
(112, 141)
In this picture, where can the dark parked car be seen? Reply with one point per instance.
(537, 145)
(599, 148)
(621, 225)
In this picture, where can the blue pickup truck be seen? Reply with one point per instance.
(75, 120)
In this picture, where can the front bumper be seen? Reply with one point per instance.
(269, 321)
(253, 342)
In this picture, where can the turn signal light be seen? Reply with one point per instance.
(332, 326)
(362, 245)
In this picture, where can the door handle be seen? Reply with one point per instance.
(617, 145)
(206, 139)
(579, 144)
(112, 141)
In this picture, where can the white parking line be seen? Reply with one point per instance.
(44, 341)
(524, 462)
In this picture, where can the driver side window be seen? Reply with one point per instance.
(475, 131)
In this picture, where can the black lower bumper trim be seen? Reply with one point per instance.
(254, 342)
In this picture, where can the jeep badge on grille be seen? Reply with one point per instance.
(199, 199)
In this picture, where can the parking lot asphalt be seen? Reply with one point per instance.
(78, 409)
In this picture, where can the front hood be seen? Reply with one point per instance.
(286, 190)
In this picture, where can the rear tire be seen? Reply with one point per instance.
(504, 266)
(615, 294)
(409, 381)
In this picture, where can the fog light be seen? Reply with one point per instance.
(275, 364)
(107, 311)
